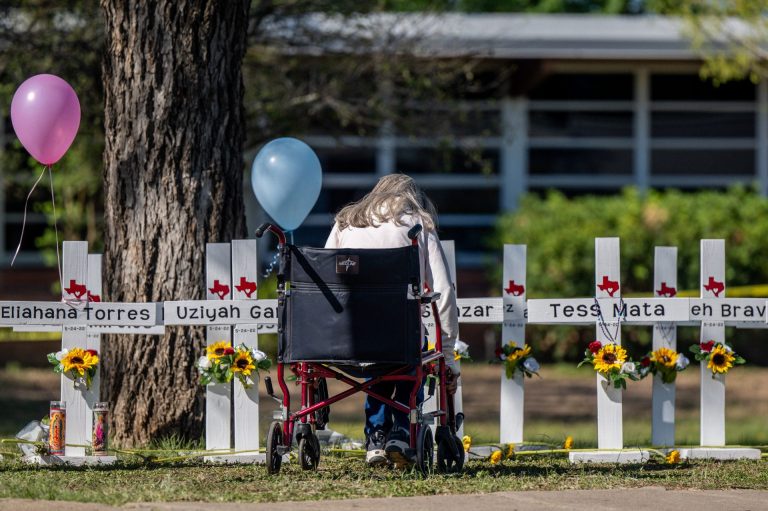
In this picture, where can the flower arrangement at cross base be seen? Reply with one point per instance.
(665, 362)
(719, 356)
(222, 362)
(611, 361)
(77, 364)
(515, 358)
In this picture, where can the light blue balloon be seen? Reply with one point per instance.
(286, 178)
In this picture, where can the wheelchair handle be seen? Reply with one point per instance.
(414, 232)
(266, 226)
(260, 231)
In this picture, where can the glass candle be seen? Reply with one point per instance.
(57, 427)
(100, 435)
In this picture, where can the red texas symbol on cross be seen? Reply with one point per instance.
(714, 286)
(246, 286)
(75, 289)
(667, 291)
(222, 290)
(514, 289)
(609, 286)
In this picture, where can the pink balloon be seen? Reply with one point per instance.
(45, 113)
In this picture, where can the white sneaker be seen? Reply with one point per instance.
(374, 445)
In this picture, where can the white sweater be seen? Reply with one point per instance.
(434, 267)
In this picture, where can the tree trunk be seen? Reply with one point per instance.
(173, 176)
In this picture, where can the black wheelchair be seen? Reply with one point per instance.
(354, 315)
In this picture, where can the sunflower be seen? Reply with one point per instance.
(568, 444)
(217, 350)
(243, 363)
(467, 442)
(510, 451)
(673, 457)
(496, 457)
(610, 357)
(665, 357)
(720, 360)
(79, 361)
(519, 353)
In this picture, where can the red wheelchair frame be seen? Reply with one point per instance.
(311, 375)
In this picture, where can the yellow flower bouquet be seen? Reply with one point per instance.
(611, 361)
(77, 363)
(222, 362)
(665, 362)
(515, 358)
(719, 356)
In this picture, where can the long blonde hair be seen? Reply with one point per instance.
(394, 196)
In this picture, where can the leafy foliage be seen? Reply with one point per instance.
(560, 232)
(730, 35)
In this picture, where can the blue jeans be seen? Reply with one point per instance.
(381, 416)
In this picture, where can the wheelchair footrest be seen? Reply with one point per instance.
(432, 415)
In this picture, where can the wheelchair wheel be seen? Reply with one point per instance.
(425, 450)
(447, 461)
(309, 452)
(274, 439)
(321, 394)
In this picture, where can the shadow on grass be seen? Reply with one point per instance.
(17, 413)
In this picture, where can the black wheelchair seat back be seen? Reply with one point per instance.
(350, 306)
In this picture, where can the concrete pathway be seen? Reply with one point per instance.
(636, 499)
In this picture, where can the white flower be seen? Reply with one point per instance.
(258, 355)
(628, 368)
(203, 363)
(727, 348)
(682, 362)
(530, 364)
(461, 347)
(61, 354)
(503, 356)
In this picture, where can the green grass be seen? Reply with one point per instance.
(340, 478)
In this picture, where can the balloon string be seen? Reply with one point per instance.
(56, 230)
(24, 221)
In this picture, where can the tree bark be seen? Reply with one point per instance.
(173, 177)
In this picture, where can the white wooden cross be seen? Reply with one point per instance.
(664, 336)
(80, 317)
(714, 311)
(512, 398)
(231, 312)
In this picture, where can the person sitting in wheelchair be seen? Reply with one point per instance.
(382, 219)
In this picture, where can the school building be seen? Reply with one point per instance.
(584, 104)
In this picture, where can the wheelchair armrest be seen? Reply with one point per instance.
(429, 297)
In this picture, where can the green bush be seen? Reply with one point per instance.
(560, 233)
